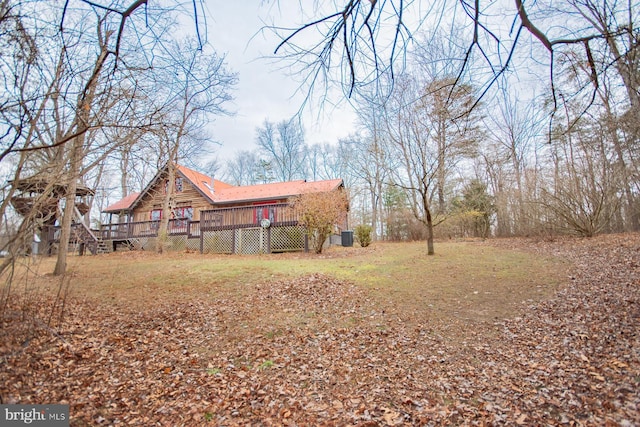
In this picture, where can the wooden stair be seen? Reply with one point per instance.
(102, 247)
(84, 236)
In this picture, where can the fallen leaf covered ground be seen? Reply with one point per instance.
(318, 351)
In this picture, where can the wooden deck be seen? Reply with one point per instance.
(278, 215)
(223, 223)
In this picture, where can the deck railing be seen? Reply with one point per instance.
(278, 214)
(147, 229)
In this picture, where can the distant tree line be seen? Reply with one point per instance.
(441, 156)
(509, 118)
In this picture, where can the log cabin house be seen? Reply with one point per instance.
(209, 215)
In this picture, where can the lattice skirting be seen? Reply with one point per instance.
(253, 240)
(217, 242)
(193, 245)
(284, 239)
(173, 243)
(177, 243)
(144, 243)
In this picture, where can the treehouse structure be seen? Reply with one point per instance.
(41, 200)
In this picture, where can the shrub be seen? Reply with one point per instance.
(319, 213)
(363, 234)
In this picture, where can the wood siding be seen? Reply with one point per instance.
(154, 198)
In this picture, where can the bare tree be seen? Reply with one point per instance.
(370, 163)
(356, 42)
(284, 146)
(585, 194)
(513, 129)
(444, 110)
(409, 142)
(317, 156)
(64, 123)
(241, 169)
(64, 115)
(196, 86)
(326, 161)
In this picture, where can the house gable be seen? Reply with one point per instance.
(187, 200)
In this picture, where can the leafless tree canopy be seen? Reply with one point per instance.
(283, 148)
(356, 42)
(93, 81)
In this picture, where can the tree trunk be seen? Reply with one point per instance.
(163, 229)
(81, 123)
(630, 221)
(430, 248)
(374, 208)
(429, 220)
(124, 170)
(441, 138)
(69, 207)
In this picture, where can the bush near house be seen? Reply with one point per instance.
(363, 234)
(319, 213)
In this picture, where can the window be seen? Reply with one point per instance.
(182, 216)
(185, 212)
(156, 216)
(177, 188)
(262, 213)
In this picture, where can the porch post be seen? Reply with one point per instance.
(269, 240)
(233, 230)
(201, 235)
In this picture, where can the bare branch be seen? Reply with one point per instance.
(524, 18)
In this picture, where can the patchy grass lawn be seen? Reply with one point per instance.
(469, 280)
(499, 332)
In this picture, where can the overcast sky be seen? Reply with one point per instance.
(264, 91)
